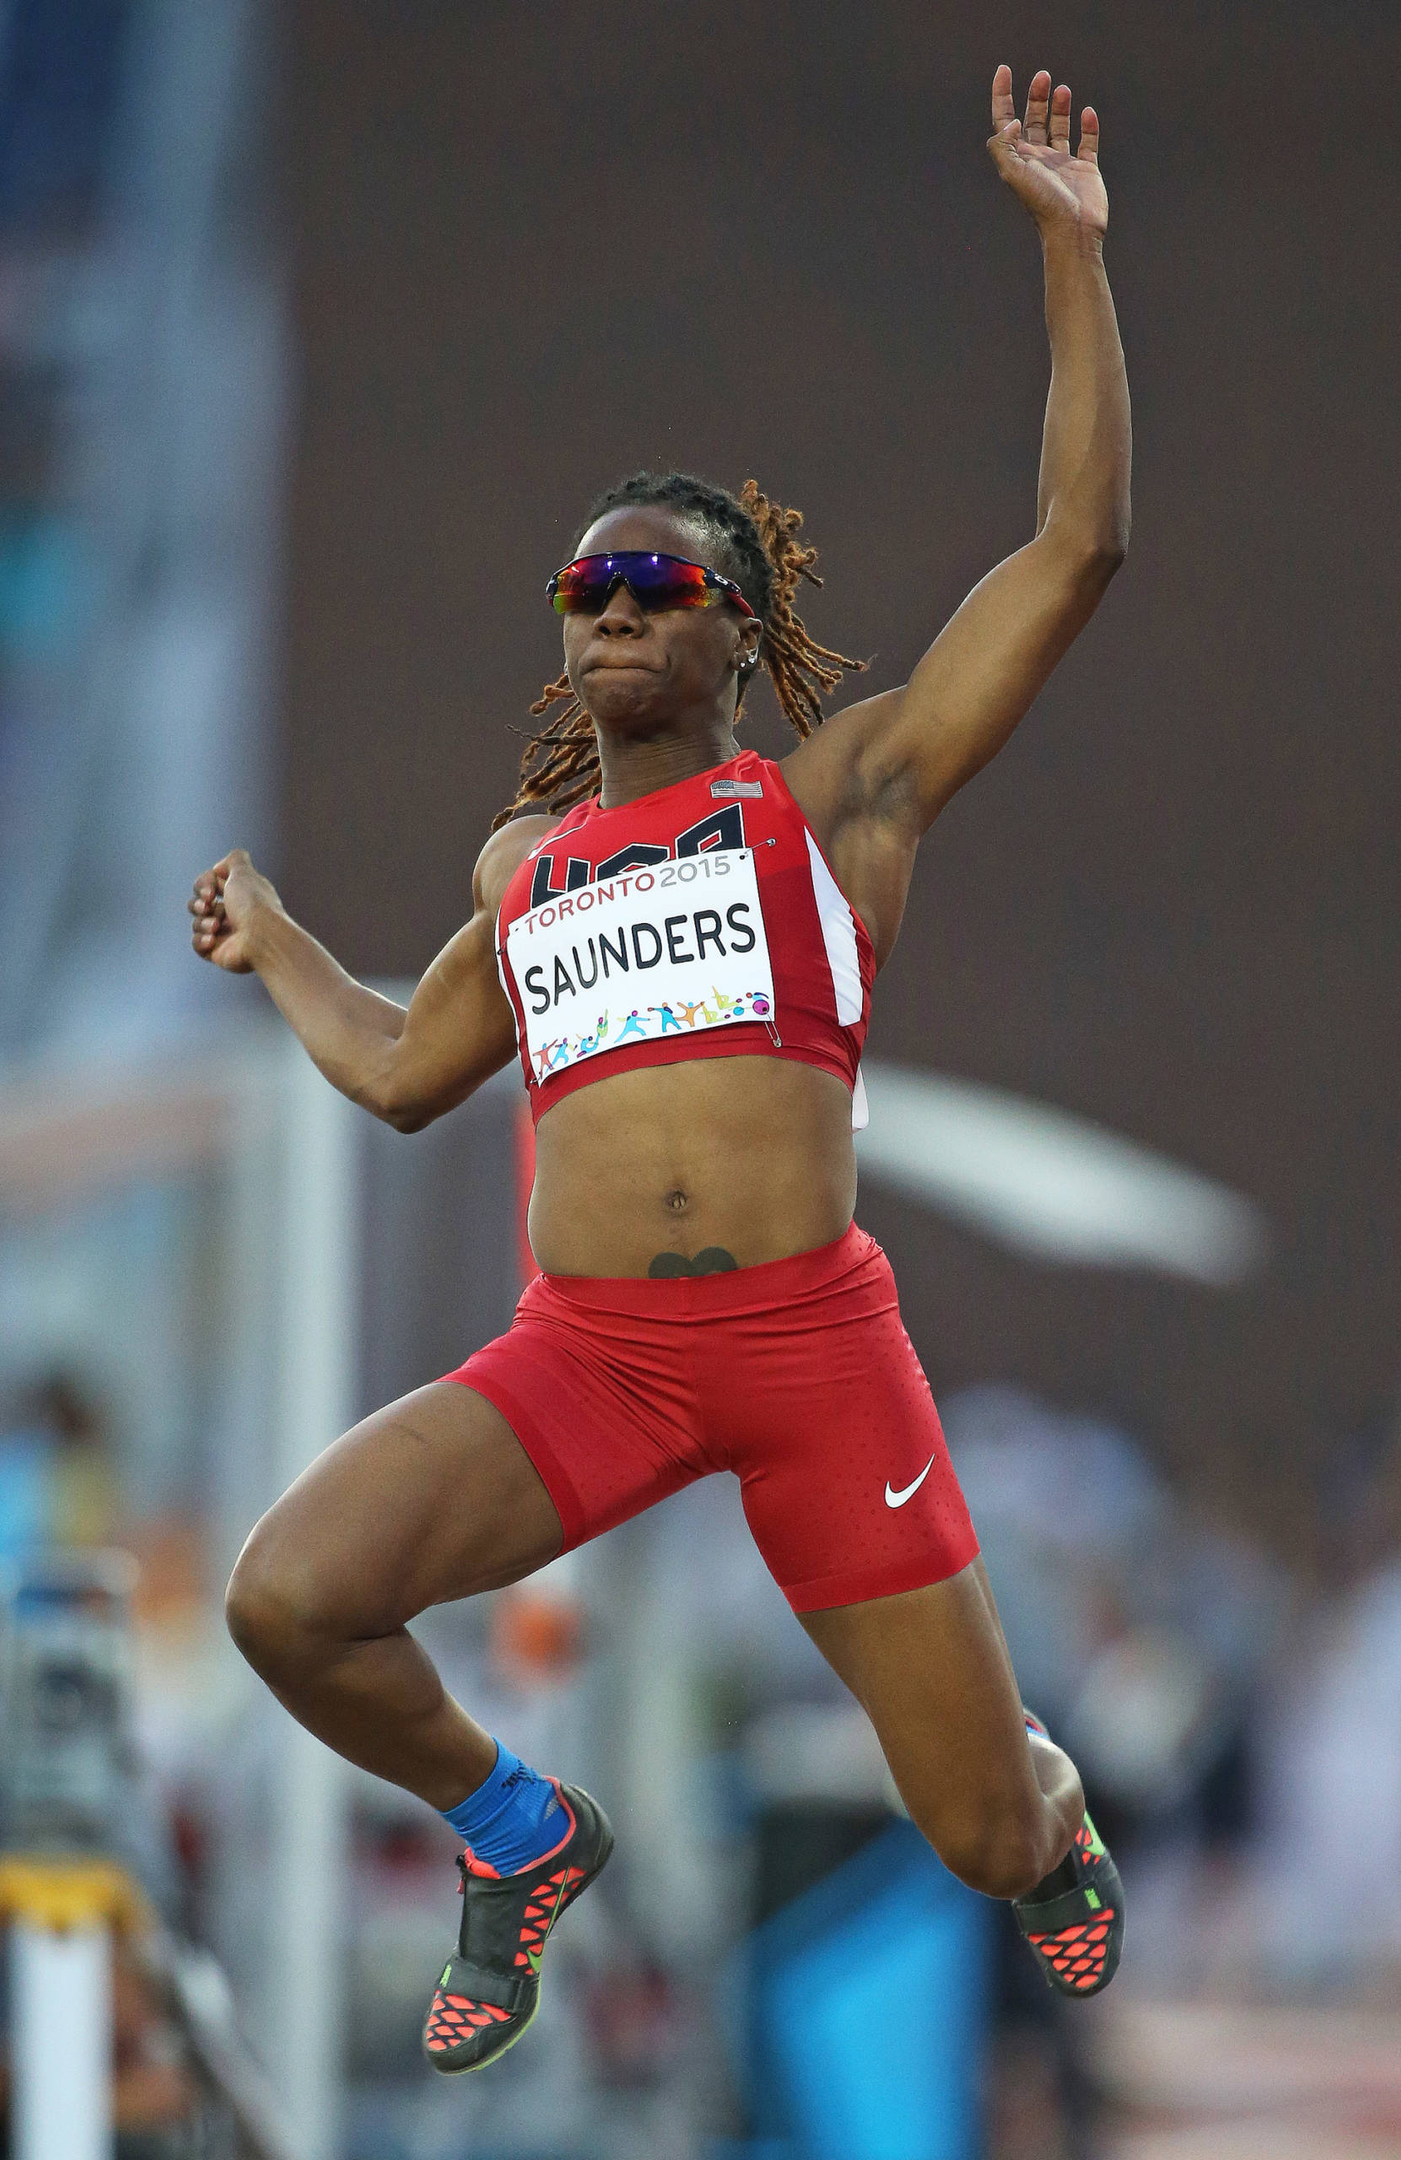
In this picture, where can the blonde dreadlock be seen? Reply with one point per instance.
(768, 562)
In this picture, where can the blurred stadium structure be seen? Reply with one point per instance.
(143, 348)
(314, 331)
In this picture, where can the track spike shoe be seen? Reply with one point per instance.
(490, 1988)
(1075, 1927)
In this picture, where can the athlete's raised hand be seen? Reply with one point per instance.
(1058, 186)
(223, 903)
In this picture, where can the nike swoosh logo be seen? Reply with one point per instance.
(898, 1499)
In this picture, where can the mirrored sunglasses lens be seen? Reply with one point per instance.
(655, 580)
(579, 585)
(665, 581)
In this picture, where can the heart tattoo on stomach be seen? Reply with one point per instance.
(714, 1260)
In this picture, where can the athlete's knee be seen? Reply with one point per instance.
(275, 1608)
(1000, 1849)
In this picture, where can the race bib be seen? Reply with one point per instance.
(667, 950)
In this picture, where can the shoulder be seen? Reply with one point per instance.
(503, 855)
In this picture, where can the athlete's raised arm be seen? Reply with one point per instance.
(897, 758)
(406, 1064)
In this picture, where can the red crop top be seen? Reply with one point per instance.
(699, 921)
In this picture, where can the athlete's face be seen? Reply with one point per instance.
(634, 667)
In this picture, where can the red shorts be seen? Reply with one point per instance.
(797, 1375)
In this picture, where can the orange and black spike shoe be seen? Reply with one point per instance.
(490, 1988)
(1074, 1920)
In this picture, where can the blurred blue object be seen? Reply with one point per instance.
(870, 2003)
(44, 579)
(26, 1512)
(749, 2149)
(60, 65)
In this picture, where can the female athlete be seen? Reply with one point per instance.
(680, 943)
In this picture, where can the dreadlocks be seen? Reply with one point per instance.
(762, 552)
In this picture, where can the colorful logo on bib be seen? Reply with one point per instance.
(649, 1024)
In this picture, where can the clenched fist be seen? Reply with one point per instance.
(226, 903)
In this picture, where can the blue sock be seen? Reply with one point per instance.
(512, 1819)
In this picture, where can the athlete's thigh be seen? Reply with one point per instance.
(844, 1471)
(930, 1668)
(431, 1499)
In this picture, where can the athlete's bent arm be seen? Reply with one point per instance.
(899, 757)
(405, 1064)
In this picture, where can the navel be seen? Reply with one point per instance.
(678, 1202)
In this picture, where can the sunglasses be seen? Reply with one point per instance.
(655, 581)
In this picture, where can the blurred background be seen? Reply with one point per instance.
(319, 328)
